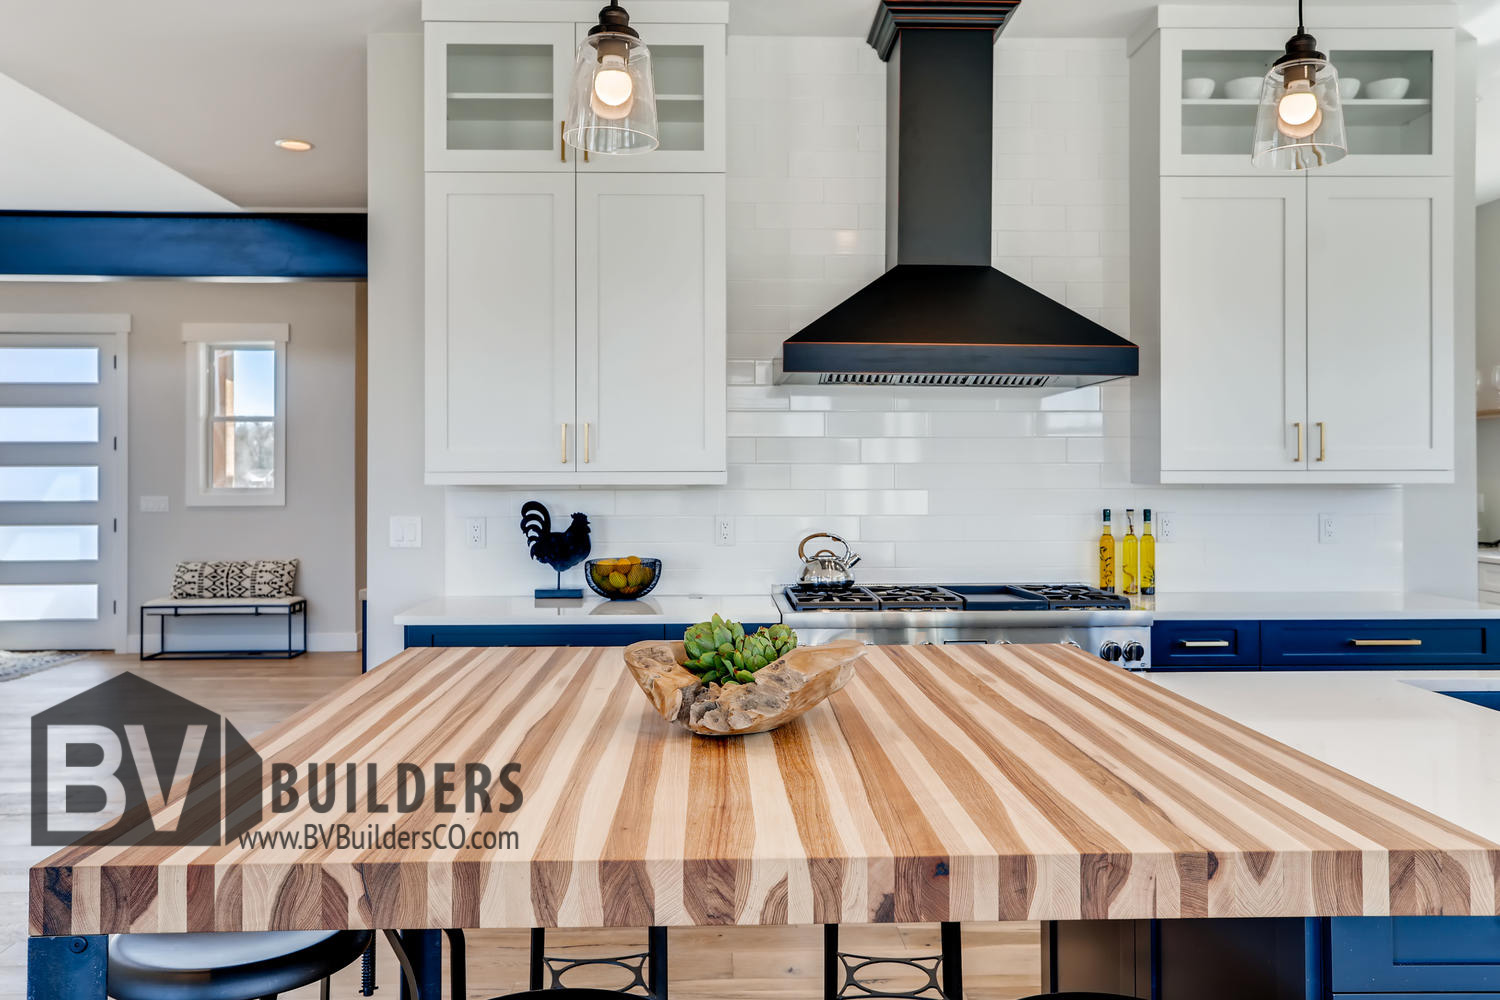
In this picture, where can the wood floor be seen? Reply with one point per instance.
(1001, 961)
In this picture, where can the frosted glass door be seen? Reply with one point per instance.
(61, 463)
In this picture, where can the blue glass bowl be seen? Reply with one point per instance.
(609, 578)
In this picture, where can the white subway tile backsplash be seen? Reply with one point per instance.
(939, 484)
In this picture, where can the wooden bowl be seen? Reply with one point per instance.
(783, 689)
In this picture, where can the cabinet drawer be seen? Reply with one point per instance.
(1205, 645)
(1334, 645)
(1412, 956)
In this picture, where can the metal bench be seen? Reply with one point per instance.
(163, 608)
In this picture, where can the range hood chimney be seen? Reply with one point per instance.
(941, 315)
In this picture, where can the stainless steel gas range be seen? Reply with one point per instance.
(1094, 620)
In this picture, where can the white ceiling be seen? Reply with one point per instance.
(206, 87)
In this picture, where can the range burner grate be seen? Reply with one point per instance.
(894, 598)
(1077, 595)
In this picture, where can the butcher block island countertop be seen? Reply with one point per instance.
(943, 784)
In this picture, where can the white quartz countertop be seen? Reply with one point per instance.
(1389, 728)
(1489, 556)
(1331, 605)
(591, 610)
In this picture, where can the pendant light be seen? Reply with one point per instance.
(1300, 122)
(612, 108)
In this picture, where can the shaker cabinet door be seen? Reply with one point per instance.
(1380, 324)
(500, 327)
(651, 319)
(1233, 325)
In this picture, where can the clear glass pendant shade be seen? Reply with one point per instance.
(1300, 122)
(612, 108)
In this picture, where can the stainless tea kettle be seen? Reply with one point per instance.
(823, 568)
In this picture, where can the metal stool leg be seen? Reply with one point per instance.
(656, 962)
(953, 961)
(648, 969)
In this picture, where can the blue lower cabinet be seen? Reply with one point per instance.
(545, 635)
(531, 635)
(1414, 956)
(1364, 645)
(1205, 645)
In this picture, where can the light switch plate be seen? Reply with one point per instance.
(406, 532)
(154, 505)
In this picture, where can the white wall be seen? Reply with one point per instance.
(396, 578)
(315, 525)
(1488, 351)
(1439, 522)
(933, 484)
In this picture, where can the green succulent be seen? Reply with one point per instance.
(720, 652)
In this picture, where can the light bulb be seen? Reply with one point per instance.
(614, 90)
(1297, 113)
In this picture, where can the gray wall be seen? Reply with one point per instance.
(316, 525)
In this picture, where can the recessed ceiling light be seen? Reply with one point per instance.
(295, 145)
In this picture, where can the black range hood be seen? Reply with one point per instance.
(941, 315)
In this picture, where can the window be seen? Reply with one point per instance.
(236, 413)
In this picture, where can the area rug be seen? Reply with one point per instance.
(13, 665)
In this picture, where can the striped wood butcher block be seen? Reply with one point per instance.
(944, 783)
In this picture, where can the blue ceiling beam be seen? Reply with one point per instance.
(288, 246)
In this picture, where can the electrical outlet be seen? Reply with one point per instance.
(474, 532)
(1163, 528)
(1327, 529)
(724, 531)
(154, 505)
(406, 532)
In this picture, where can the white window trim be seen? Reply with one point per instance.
(196, 338)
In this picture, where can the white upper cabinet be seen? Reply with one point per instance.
(1380, 324)
(1388, 136)
(1294, 326)
(1233, 324)
(576, 306)
(497, 95)
(651, 319)
(500, 384)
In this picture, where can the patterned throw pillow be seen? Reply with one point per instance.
(188, 580)
(239, 579)
(274, 578)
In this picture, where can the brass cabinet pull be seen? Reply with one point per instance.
(565, 445)
(1386, 642)
(1298, 425)
(1204, 643)
(1322, 441)
(562, 142)
(586, 448)
(585, 156)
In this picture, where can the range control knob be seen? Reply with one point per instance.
(1111, 651)
(1134, 652)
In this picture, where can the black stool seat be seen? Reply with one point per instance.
(226, 966)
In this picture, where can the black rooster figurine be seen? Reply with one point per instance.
(559, 549)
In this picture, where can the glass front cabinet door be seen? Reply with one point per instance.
(1397, 92)
(497, 95)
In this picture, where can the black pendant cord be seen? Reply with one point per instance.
(1301, 30)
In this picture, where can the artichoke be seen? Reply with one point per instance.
(720, 652)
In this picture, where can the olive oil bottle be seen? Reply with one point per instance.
(1106, 556)
(1148, 557)
(1130, 557)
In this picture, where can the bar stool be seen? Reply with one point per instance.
(227, 965)
(563, 993)
(648, 969)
